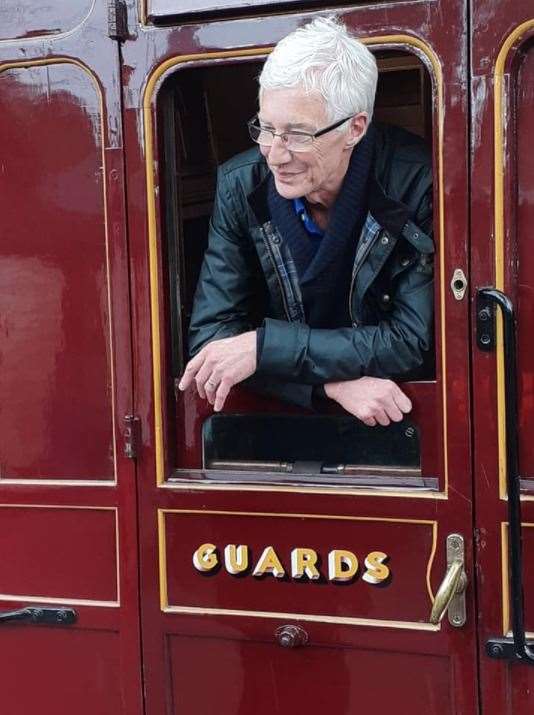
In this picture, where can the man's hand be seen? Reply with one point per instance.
(219, 366)
(370, 399)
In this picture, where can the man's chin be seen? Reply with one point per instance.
(289, 191)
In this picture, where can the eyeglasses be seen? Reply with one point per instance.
(292, 141)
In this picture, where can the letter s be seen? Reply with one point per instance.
(377, 571)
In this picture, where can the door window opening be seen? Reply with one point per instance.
(200, 126)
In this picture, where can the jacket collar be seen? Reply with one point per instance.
(388, 212)
(258, 200)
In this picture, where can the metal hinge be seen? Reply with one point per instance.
(132, 433)
(117, 20)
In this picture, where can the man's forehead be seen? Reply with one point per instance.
(291, 108)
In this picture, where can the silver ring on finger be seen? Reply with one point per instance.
(211, 383)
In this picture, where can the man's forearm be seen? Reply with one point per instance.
(294, 352)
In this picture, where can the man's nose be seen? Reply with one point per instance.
(278, 152)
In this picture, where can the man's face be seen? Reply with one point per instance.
(319, 169)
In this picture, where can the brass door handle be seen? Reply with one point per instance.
(451, 593)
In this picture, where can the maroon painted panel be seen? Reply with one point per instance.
(59, 671)
(26, 18)
(64, 553)
(397, 591)
(65, 360)
(294, 681)
(55, 382)
(524, 279)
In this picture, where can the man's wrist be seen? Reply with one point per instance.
(330, 389)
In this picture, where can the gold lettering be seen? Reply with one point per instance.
(303, 564)
(342, 565)
(377, 571)
(236, 558)
(269, 563)
(205, 557)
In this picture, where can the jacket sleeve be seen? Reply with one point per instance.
(394, 348)
(226, 289)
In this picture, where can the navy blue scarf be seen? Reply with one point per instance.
(324, 265)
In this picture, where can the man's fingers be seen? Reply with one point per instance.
(402, 401)
(211, 386)
(369, 421)
(366, 415)
(191, 370)
(222, 393)
(393, 412)
(201, 378)
(382, 418)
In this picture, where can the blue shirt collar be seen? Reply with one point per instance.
(309, 224)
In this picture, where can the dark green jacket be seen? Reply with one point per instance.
(248, 278)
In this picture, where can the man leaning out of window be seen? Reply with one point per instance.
(317, 282)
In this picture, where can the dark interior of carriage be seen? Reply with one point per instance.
(202, 115)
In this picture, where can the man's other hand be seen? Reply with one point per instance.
(219, 366)
(371, 399)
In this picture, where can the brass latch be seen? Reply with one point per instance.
(451, 593)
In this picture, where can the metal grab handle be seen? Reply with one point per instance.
(454, 583)
(41, 615)
(516, 648)
(451, 593)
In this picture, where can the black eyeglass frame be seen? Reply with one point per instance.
(319, 133)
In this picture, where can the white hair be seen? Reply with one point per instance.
(322, 57)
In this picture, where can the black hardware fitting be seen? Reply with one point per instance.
(117, 20)
(291, 636)
(502, 649)
(516, 648)
(41, 615)
(485, 321)
(132, 433)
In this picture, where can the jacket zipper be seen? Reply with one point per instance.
(352, 319)
(284, 299)
(356, 268)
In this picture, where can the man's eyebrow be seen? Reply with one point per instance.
(289, 126)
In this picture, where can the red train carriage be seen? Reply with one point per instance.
(141, 535)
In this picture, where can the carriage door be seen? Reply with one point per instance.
(69, 639)
(503, 313)
(292, 559)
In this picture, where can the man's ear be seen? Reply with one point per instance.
(357, 128)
